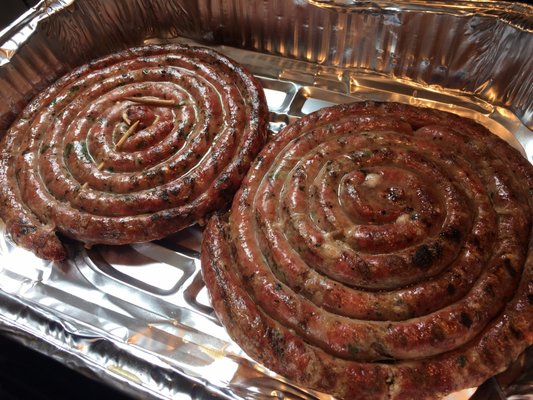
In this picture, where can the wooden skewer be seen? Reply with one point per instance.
(127, 134)
(154, 101)
(99, 168)
(125, 118)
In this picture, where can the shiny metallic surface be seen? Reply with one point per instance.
(139, 317)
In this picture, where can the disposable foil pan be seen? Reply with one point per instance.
(138, 317)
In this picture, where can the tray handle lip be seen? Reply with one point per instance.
(517, 14)
(13, 36)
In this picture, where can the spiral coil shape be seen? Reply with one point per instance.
(374, 247)
(131, 147)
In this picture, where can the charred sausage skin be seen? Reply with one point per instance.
(64, 169)
(378, 250)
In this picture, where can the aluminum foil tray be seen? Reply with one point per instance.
(138, 317)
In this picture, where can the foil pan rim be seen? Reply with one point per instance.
(518, 15)
(13, 36)
(435, 6)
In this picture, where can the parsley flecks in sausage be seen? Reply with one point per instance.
(400, 237)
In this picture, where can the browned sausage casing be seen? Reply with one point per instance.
(378, 250)
(68, 166)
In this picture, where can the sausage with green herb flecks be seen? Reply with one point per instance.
(378, 249)
(130, 148)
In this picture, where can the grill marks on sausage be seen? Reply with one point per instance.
(201, 120)
(370, 244)
(426, 255)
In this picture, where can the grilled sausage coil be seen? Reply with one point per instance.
(378, 250)
(130, 148)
